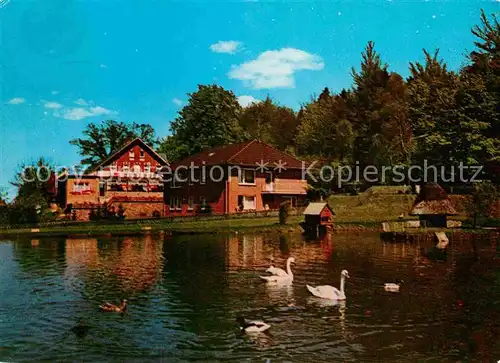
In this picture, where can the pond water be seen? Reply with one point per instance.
(185, 292)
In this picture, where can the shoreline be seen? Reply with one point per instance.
(262, 224)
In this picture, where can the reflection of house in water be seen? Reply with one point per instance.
(248, 250)
(134, 263)
(138, 263)
(81, 252)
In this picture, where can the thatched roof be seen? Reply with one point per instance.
(432, 200)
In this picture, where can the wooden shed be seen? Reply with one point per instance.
(432, 205)
(317, 217)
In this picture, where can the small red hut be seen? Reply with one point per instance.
(318, 216)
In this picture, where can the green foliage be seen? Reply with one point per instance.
(270, 123)
(102, 140)
(383, 130)
(432, 91)
(120, 213)
(324, 129)
(478, 203)
(284, 212)
(210, 119)
(34, 193)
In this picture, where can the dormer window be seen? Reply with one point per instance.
(131, 155)
(141, 154)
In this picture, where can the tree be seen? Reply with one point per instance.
(35, 178)
(484, 75)
(173, 149)
(381, 124)
(35, 191)
(324, 128)
(102, 140)
(432, 90)
(210, 119)
(270, 123)
(478, 204)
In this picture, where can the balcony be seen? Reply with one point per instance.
(285, 186)
(128, 174)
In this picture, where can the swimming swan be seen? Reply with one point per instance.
(330, 292)
(278, 274)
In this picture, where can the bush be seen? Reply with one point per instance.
(284, 212)
(120, 213)
(204, 209)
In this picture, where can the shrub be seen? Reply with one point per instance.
(121, 212)
(284, 212)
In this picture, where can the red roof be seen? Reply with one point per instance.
(125, 148)
(245, 153)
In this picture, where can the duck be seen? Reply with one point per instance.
(330, 292)
(81, 329)
(280, 275)
(252, 326)
(115, 308)
(393, 287)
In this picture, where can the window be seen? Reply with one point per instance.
(141, 154)
(190, 203)
(102, 189)
(125, 168)
(248, 203)
(147, 168)
(131, 155)
(112, 168)
(247, 176)
(203, 203)
(175, 203)
(137, 168)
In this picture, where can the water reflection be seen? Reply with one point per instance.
(280, 293)
(185, 293)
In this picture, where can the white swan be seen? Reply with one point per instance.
(330, 292)
(276, 271)
(392, 287)
(278, 274)
(252, 326)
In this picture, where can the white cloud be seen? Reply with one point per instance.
(177, 101)
(103, 66)
(16, 101)
(276, 68)
(55, 92)
(228, 46)
(78, 113)
(247, 100)
(81, 102)
(53, 105)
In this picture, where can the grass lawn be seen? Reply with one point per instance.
(367, 210)
(375, 208)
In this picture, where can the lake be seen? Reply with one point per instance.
(185, 293)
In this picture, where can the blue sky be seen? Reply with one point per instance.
(67, 63)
